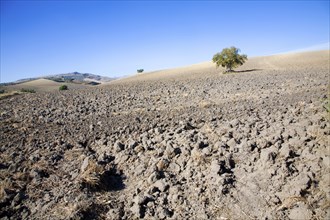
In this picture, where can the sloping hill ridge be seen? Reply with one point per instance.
(310, 59)
(43, 85)
(76, 76)
(74, 80)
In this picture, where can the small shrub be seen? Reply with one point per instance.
(63, 87)
(2, 91)
(140, 70)
(28, 90)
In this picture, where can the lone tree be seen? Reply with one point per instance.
(140, 70)
(229, 58)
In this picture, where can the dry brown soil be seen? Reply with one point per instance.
(186, 143)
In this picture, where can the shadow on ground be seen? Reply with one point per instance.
(246, 71)
(111, 180)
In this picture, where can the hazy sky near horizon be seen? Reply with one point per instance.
(115, 38)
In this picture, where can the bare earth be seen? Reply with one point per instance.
(186, 143)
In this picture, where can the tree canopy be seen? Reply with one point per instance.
(229, 58)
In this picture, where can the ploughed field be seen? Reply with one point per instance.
(247, 145)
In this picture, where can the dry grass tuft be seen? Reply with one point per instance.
(199, 158)
(76, 209)
(221, 212)
(4, 186)
(205, 104)
(291, 201)
(92, 174)
(69, 211)
(162, 165)
(40, 165)
(319, 134)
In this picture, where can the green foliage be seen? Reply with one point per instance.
(140, 70)
(28, 90)
(2, 91)
(63, 87)
(229, 58)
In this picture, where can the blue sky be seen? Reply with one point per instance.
(118, 37)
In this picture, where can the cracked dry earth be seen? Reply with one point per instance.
(248, 145)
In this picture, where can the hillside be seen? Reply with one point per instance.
(50, 83)
(42, 85)
(186, 143)
(311, 59)
(75, 76)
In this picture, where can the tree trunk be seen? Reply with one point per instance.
(229, 68)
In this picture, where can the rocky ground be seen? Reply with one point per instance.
(248, 145)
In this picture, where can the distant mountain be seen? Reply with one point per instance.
(72, 77)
